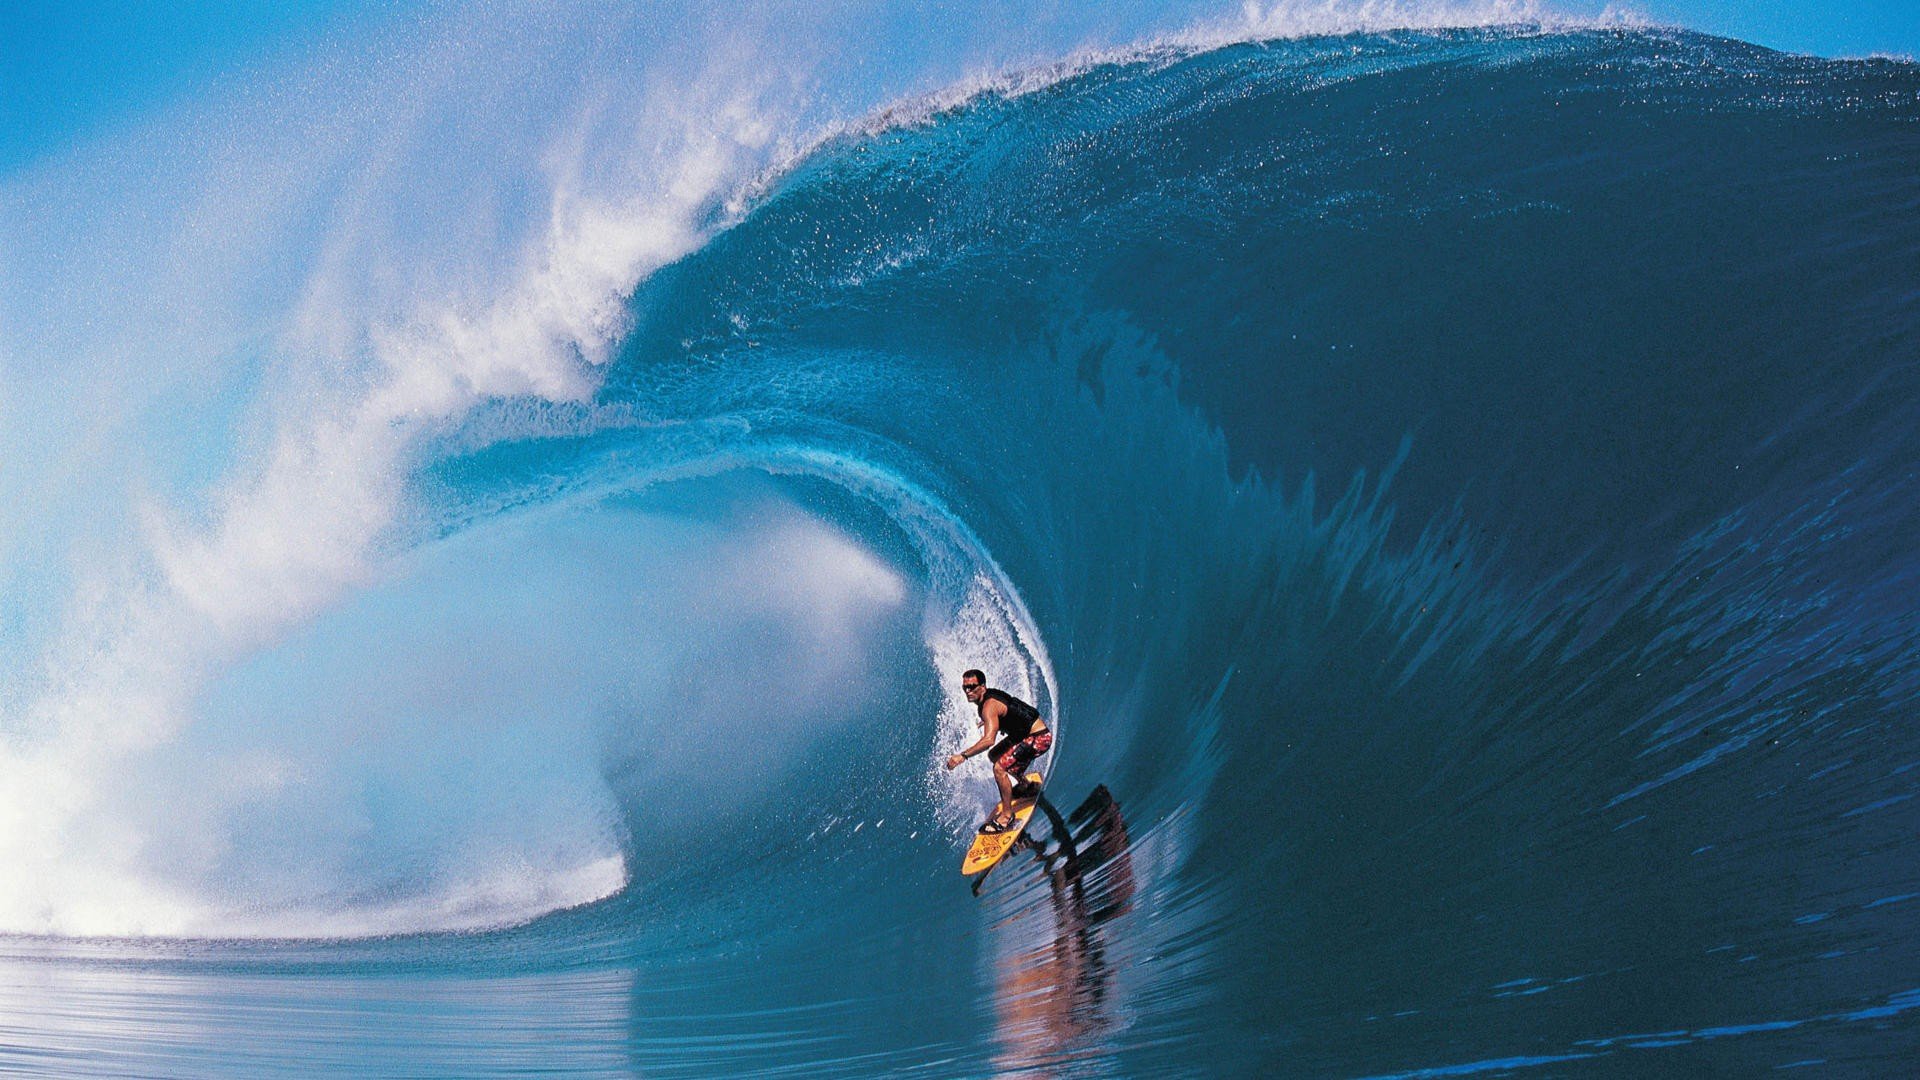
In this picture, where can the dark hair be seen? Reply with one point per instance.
(975, 674)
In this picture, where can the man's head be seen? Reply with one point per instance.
(973, 683)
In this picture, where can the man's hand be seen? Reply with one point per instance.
(954, 761)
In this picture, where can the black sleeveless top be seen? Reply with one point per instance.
(1020, 718)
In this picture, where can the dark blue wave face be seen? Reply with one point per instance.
(1587, 723)
(1465, 486)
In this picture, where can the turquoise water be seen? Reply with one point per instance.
(1452, 491)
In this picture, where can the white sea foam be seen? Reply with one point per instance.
(985, 632)
(389, 335)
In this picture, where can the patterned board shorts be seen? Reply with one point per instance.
(1021, 754)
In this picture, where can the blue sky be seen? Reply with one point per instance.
(1822, 27)
(68, 69)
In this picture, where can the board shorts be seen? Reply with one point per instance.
(1021, 754)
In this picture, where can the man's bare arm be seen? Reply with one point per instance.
(990, 715)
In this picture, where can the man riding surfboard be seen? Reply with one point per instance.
(1022, 736)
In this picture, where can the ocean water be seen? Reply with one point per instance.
(482, 606)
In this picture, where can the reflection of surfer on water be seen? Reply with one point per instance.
(1055, 994)
(1021, 737)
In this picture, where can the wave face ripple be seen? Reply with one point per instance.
(1454, 491)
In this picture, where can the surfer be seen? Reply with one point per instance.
(1022, 736)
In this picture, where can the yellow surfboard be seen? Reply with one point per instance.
(990, 848)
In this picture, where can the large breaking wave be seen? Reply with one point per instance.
(1454, 487)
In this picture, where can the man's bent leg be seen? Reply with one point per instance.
(1005, 810)
(1022, 756)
